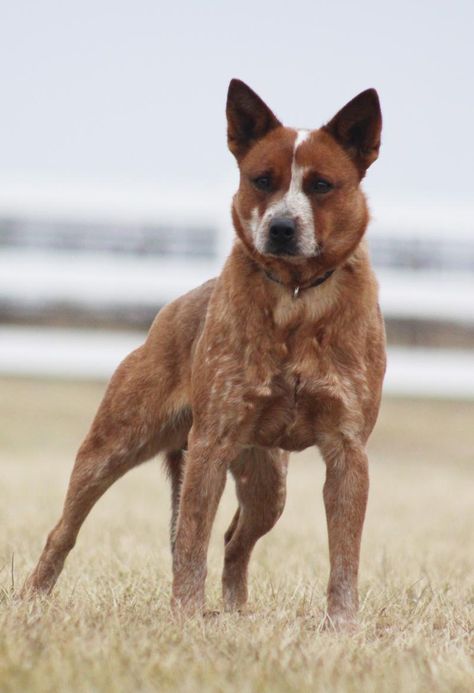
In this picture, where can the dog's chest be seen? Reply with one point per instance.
(282, 384)
(306, 395)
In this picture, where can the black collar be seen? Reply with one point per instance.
(296, 290)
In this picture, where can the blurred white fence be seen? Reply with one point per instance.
(424, 260)
(61, 260)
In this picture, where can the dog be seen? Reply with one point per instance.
(283, 351)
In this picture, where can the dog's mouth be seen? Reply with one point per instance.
(292, 254)
(283, 253)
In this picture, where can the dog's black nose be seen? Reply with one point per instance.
(282, 229)
(281, 237)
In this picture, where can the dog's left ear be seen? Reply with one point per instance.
(357, 128)
(248, 118)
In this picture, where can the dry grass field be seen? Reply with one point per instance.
(108, 625)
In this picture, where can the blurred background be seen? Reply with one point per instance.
(115, 191)
(115, 179)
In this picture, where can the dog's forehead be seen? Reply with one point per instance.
(283, 146)
(275, 150)
(319, 151)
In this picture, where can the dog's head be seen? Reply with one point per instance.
(299, 202)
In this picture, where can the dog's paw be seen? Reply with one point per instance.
(29, 590)
(340, 622)
(209, 614)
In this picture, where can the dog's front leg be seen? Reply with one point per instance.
(204, 480)
(345, 498)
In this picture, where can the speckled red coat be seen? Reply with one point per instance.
(284, 350)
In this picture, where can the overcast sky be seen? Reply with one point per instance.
(132, 93)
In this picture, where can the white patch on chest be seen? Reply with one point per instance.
(310, 306)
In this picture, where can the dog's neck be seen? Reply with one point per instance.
(347, 285)
(302, 276)
(297, 289)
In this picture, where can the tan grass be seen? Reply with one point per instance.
(108, 626)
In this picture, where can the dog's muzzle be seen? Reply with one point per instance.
(282, 237)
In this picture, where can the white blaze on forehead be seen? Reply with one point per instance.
(301, 136)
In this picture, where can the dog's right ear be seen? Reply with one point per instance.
(248, 118)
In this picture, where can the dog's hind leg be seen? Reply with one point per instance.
(131, 426)
(95, 470)
(260, 477)
(174, 462)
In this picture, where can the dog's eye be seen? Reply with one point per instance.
(263, 183)
(321, 186)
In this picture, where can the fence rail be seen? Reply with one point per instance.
(88, 271)
(64, 235)
(414, 249)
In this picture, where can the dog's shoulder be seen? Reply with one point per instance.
(182, 320)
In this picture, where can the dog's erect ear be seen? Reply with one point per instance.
(357, 128)
(248, 118)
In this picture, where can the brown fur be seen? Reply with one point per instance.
(240, 371)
